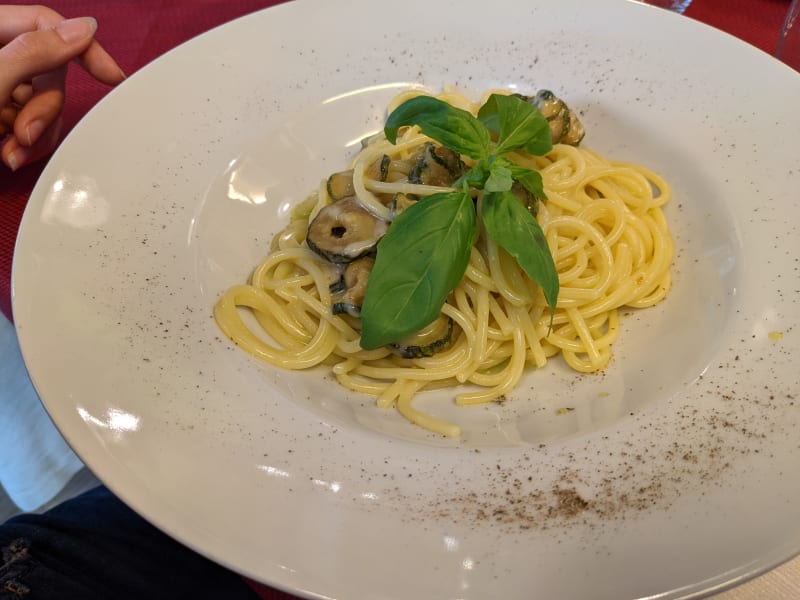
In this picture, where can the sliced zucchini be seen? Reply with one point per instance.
(344, 231)
(449, 159)
(565, 127)
(355, 278)
(400, 202)
(426, 342)
(380, 170)
(340, 185)
(436, 165)
(575, 133)
(366, 141)
(398, 170)
(338, 286)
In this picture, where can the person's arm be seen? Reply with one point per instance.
(36, 44)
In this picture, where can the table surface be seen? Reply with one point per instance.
(137, 31)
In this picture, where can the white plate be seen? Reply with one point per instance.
(675, 474)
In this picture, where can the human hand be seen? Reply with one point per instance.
(36, 44)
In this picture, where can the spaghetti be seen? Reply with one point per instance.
(603, 222)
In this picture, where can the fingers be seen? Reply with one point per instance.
(22, 93)
(39, 43)
(15, 155)
(23, 59)
(99, 64)
(44, 106)
(35, 52)
(8, 115)
(16, 20)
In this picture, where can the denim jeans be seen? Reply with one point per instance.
(95, 547)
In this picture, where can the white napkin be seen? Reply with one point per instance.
(35, 461)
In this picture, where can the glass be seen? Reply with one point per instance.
(788, 49)
(677, 6)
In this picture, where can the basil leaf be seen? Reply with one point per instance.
(512, 227)
(450, 126)
(499, 178)
(488, 115)
(517, 124)
(529, 179)
(475, 177)
(422, 257)
(425, 252)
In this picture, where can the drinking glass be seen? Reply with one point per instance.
(788, 49)
(677, 6)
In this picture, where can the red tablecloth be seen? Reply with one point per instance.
(137, 31)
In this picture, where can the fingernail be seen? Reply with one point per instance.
(74, 30)
(12, 160)
(33, 131)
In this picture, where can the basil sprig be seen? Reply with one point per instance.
(426, 249)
